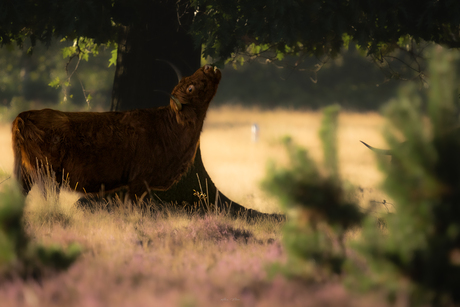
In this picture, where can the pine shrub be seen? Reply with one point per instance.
(319, 209)
(418, 255)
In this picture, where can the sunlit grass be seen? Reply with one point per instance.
(47, 205)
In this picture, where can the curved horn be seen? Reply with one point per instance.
(178, 104)
(177, 71)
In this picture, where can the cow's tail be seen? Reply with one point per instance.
(26, 141)
(18, 143)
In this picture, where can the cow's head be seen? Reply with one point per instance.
(197, 90)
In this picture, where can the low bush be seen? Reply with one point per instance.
(419, 254)
(19, 257)
(319, 208)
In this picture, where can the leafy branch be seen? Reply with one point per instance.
(81, 48)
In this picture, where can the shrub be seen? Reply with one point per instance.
(318, 207)
(420, 251)
(19, 256)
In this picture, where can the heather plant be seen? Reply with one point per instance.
(18, 255)
(319, 209)
(419, 253)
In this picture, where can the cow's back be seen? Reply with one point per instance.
(94, 148)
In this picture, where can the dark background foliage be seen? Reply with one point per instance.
(351, 80)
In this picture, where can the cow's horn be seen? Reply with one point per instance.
(178, 73)
(178, 104)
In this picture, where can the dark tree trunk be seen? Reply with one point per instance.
(141, 72)
(143, 48)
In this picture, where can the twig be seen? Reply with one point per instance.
(5, 180)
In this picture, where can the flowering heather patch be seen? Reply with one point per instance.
(135, 259)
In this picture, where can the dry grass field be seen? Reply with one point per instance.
(131, 258)
(237, 164)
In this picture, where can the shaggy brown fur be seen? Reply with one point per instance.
(140, 149)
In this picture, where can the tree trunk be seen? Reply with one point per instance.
(144, 48)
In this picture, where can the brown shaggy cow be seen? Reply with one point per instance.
(140, 149)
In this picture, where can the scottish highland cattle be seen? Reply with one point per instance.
(139, 149)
